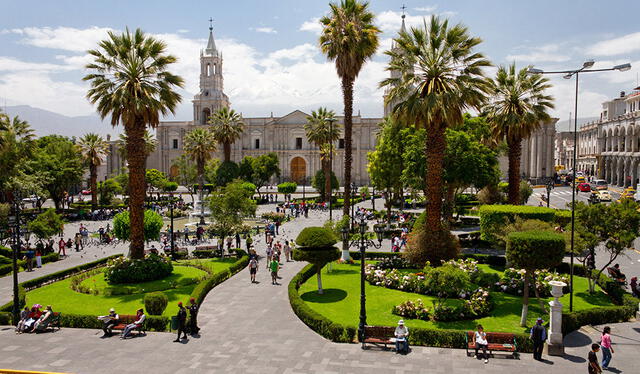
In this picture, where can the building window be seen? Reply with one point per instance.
(257, 143)
(340, 143)
(298, 143)
(175, 143)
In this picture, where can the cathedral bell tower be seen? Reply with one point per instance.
(211, 96)
(388, 107)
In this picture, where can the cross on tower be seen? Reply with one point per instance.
(403, 7)
(210, 23)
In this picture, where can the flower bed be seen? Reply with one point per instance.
(512, 282)
(128, 270)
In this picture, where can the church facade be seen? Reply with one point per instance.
(283, 135)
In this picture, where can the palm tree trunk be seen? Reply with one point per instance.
(227, 151)
(525, 300)
(137, 189)
(94, 185)
(347, 96)
(515, 150)
(435, 149)
(201, 181)
(326, 166)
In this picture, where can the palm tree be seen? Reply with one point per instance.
(198, 144)
(518, 108)
(227, 127)
(440, 78)
(350, 39)
(94, 149)
(150, 145)
(322, 131)
(130, 82)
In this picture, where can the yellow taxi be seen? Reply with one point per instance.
(604, 195)
(580, 179)
(628, 194)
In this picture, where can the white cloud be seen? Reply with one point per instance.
(563, 91)
(300, 52)
(266, 30)
(426, 9)
(64, 38)
(545, 53)
(390, 21)
(617, 46)
(313, 25)
(182, 31)
(12, 65)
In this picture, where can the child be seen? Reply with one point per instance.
(273, 266)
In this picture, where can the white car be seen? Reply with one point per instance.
(636, 196)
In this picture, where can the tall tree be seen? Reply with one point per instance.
(150, 145)
(440, 78)
(130, 82)
(227, 127)
(518, 108)
(17, 141)
(322, 130)
(94, 149)
(349, 38)
(198, 144)
(187, 175)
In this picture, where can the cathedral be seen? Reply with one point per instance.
(285, 136)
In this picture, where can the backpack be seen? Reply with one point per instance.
(253, 263)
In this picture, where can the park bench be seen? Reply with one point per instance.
(52, 324)
(614, 275)
(126, 319)
(181, 252)
(498, 341)
(378, 335)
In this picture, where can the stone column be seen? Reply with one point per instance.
(539, 151)
(555, 345)
(525, 159)
(532, 156)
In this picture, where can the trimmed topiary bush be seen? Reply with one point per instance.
(152, 225)
(287, 187)
(155, 303)
(563, 217)
(316, 245)
(492, 217)
(128, 270)
(533, 250)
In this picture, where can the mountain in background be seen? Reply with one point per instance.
(45, 122)
(565, 125)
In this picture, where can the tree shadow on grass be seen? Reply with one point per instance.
(342, 271)
(330, 295)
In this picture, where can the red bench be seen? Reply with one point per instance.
(498, 341)
(126, 319)
(379, 335)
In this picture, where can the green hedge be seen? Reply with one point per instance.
(5, 319)
(203, 288)
(204, 253)
(374, 255)
(155, 323)
(563, 217)
(494, 216)
(5, 269)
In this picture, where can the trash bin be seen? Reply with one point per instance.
(174, 322)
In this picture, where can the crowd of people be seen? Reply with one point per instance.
(34, 319)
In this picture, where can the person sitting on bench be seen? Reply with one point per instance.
(480, 342)
(402, 333)
(130, 327)
(42, 322)
(109, 320)
(617, 274)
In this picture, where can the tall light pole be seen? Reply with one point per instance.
(330, 192)
(568, 74)
(16, 252)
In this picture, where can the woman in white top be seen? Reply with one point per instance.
(480, 340)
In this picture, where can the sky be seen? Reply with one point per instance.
(272, 62)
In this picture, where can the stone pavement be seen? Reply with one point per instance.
(250, 328)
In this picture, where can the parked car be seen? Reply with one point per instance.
(584, 187)
(580, 179)
(86, 192)
(628, 194)
(599, 184)
(604, 195)
(594, 198)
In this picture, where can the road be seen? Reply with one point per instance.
(561, 196)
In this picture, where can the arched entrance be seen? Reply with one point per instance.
(298, 169)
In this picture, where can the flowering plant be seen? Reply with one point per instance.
(469, 266)
(512, 281)
(410, 309)
(129, 270)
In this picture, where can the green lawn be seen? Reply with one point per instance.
(63, 299)
(341, 302)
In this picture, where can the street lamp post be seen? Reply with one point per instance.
(330, 192)
(362, 243)
(373, 198)
(173, 242)
(16, 251)
(568, 74)
(549, 188)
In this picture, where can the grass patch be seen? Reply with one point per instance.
(63, 299)
(344, 307)
(181, 276)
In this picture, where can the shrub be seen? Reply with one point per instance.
(446, 281)
(156, 323)
(203, 288)
(128, 270)
(316, 237)
(432, 246)
(155, 303)
(287, 187)
(535, 249)
(273, 216)
(525, 192)
(203, 253)
(413, 310)
(563, 217)
(46, 224)
(492, 217)
(5, 319)
(152, 225)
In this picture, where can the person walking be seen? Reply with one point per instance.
(607, 349)
(62, 247)
(273, 266)
(592, 361)
(248, 242)
(39, 250)
(287, 250)
(238, 240)
(538, 335)
(253, 268)
(193, 313)
(77, 240)
(182, 319)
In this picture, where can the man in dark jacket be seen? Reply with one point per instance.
(193, 312)
(182, 320)
(538, 335)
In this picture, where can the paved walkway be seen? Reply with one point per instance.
(250, 328)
